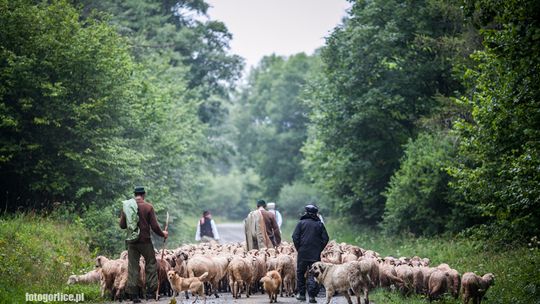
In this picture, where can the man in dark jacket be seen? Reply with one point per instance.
(310, 238)
(142, 246)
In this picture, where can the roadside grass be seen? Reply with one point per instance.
(37, 255)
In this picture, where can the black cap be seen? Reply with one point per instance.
(311, 209)
(261, 203)
(205, 213)
(139, 190)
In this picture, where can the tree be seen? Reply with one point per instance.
(271, 118)
(499, 154)
(382, 72)
(65, 91)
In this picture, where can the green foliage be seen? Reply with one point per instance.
(271, 119)
(516, 277)
(382, 72)
(499, 163)
(39, 254)
(83, 122)
(232, 195)
(65, 90)
(419, 200)
(294, 197)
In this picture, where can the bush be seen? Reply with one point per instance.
(419, 199)
(38, 255)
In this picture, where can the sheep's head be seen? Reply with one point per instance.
(72, 279)
(489, 278)
(100, 261)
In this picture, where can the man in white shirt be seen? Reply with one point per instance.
(272, 208)
(206, 228)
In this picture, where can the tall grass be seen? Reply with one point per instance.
(37, 255)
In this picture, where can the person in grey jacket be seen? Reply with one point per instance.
(309, 238)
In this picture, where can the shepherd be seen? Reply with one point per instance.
(138, 217)
(261, 228)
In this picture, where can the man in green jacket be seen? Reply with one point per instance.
(142, 246)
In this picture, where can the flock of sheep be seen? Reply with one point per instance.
(344, 268)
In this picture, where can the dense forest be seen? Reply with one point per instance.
(416, 117)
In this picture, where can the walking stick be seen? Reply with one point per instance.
(162, 253)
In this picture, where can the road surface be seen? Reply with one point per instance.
(231, 232)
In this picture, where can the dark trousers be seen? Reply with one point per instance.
(135, 250)
(312, 287)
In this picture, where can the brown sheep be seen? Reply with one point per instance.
(110, 269)
(286, 267)
(163, 268)
(405, 273)
(198, 264)
(426, 273)
(239, 274)
(418, 280)
(454, 279)
(374, 270)
(388, 276)
(475, 287)
(438, 284)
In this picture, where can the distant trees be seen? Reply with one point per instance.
(271, 119)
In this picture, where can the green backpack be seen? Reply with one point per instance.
(132, 219)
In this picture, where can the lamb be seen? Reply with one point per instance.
(475, 287)
(87, 278)
(271, 284)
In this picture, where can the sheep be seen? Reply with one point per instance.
(454, 279)
(405, 273)
(110, 269)
(438, 284)
(198, 264)
(239, 274)
(286, 266)
(374, 270)
(388, 276)
(87, 278)
(475, 287)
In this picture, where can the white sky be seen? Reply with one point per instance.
(283, 27)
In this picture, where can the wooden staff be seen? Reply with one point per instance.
(162, 253)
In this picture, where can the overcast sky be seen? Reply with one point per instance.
(283, 27)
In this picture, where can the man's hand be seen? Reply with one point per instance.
(166, 233)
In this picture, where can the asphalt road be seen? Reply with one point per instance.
(258, 298)
(231, 232)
